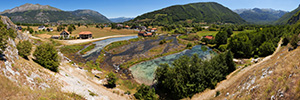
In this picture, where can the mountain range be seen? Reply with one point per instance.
(260, 16)
(120, 19)
(209, 12)
(286, 17)
(36, 13)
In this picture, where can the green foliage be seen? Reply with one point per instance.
(286, 17)
(3, 37)
(31, 16)
(145, 93)
(189, 45)
(60, 28)
(162, 41)
(222, 48)
(221, 38)
(240, 45)
(266, 48)
(212, 29)
(196, 12)
(191, 75)
(88, 49)
(111, 80)
(24, 48)
(116, 44)
(294, 41)
(46, 55)
(71, 28)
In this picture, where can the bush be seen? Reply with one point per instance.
(111, 80)
(24, 48)
(46, 55)
(145, 93)
(223, 47)
(204, 74)
(294, 41)
(212, 29)
(162, 41)
(189, 45)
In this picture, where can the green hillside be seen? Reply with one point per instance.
(30, 13)
(294, 19)
(209, 12)
(285, 18)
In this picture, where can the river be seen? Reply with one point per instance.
(144, 72)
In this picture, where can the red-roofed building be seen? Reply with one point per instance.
(85, 35)
(209, 37)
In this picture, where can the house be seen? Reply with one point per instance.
(210, 37)
(119, 25)
(49, 29)
(86, 35)
(127, 27)
(41, 27)
(145, 34)
(153, 29)
(65, 34)
(141, 33)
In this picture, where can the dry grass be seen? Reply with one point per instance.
(9, 90)
(97, 32)
(284, 76)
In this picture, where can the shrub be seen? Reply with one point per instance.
(46, 55)
(294, 41)
(162, 41)
(189, 45)
(223, 47)
(24, 48)
(145, 93)
(111, 80)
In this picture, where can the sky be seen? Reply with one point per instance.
(133, 8)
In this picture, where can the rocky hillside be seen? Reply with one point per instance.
(276, 77)
(35, 13)
(209, 12)
(260, 16)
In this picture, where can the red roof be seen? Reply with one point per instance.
(154, 29)
(209, 37)
(86, 32)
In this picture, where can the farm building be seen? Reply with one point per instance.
(65, 34)
(86, 35)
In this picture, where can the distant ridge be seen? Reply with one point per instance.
(260, 16)
(120, 19)
(209, 12)
(285, 18)
(36, 13)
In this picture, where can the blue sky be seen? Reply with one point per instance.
(133, 8)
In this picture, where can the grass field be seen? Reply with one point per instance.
(213, 33)
(97, 32)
